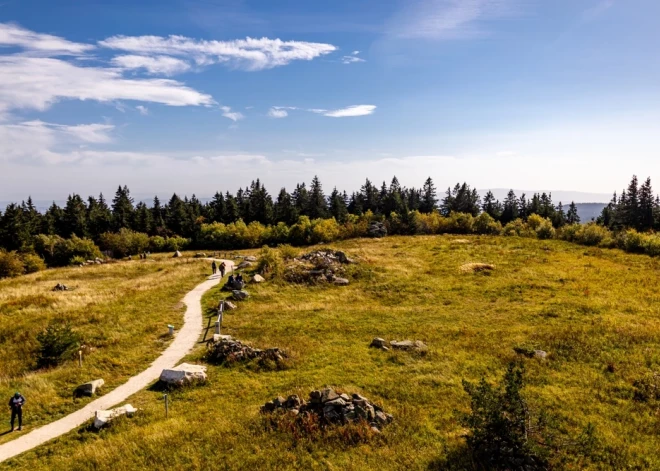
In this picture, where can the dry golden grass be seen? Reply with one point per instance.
(594, 311)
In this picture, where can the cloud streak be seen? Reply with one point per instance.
(351, 111)
(233, 115)
(156, 65)
(12, 35)
(248, 54)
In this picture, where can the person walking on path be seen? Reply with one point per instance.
(214, 267)
(223, 267)
(16, 405)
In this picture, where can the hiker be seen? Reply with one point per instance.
(214, 267)
(230, 281)
(239, 278)
(16, 405)
(223, 267)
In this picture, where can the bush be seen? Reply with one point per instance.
(58, 342)
(270, 262)
(32, 263)
(633, 241)
(324, 230)
(534, 221)
(301, 232)
(125, 242)
(591, 234)
(10, 264)
(287, 252)
(458, 223)
(174, 243)
(518, 228)
(485, 224)
(58, 252)
(157, 244)
(77, 260)
(502, 434)
(545, 230)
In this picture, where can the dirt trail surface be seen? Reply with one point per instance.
(183, 342)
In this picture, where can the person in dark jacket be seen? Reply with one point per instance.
(223, 267)
(214, 267)
(16, 405)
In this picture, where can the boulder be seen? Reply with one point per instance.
(341, 256)
(104, 417)
(240, 295)
(250, 258)
(183, 374)
(200, 255)
(60, 287)
(229, 306)
(541, 354)
(258, 279)
(376, 229)
(177, 254)
(328, 394)
(88, 389)
(340, 281)
(244, 265)
(377, 342)
(221, 338)
(408, 345)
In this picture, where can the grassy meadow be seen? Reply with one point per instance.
(120, 309)
(596, 312)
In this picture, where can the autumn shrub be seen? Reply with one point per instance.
(11, 264)
(485, 224)
(324, 230)
(32, 263)
(125, 242)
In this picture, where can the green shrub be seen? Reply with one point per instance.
(287, 252)
(324, 230)
(502, 433)
(32, 263)
(172, 244)
(125, 242)
(518, 228)
(58, 252)
(57, 343)
(569, 232)
(534, 221)
(545, 230)
(458, 223)
(485, 224)
(633, 241)
(10, 264)
(591, 234)
(277, 234)
(270, 262)
(156, 244)
(77, 260)
(301, 232)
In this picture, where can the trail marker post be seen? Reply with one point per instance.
(80, 358)
(167, 404)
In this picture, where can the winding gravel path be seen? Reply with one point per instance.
(183, 342)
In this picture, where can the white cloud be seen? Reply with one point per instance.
(37, 83)
(162, 65)
(277, 113)
(355, 110)
(233, 115)
(248, 54)
(448, 19)
(352, 58)
(142, 109)
(15, 36)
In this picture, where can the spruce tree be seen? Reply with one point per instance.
(232, 212)
(14, 234)
(646, 206)
(217, 208)
(429, 202)
(338, 209)
(284, 210)
(143, 218)
(490, 206)
(51, 223)
(99, 216)
(300, 198)
(317, 204)
(122, 209)
(572, 216)
(369, 197)
(75, 217)
(158, 217)
(630, 205)
(510, 209)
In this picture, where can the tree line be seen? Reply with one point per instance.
(95, 216)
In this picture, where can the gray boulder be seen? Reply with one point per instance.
(408, 345)
(258, 279)
(244, 265)
(541, 354)
(183, 374)
(240, 295)
(340, 281)
(376, 229)
(250, 258)
(88, 389)
(104, 417)
(377, 342)
(229, 306)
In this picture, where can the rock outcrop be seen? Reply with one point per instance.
(240, 295)
(225, 349)
(183, 374)
(376, 229)
(320, 266)
(331, 408)
(104, 417)
(88, 389)
(409, 345)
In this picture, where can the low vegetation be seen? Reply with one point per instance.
(591, 403)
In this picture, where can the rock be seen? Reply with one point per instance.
(377, 342)
(340, 281)
(293, 402)
(88, 389)
(279, 401)
(339, 402)
(375, 429)
(328, 394)
(315, 397)
(250, 258)
(346, 397)
(183, 374)
(240, 295)
(177, 254)
(376, 229)
(221, 338)
(225, 349)
(60, 287)
(408, 345)
(381, 418)
(341, 256)
(200, 255)
(540, 354)
(104, 417)
(244, 265)
(228, 305)
(258, 279)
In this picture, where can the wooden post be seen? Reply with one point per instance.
(167, 404)
(80, 358)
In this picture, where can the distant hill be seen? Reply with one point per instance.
(588, 211)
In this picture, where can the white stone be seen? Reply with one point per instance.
(258, 278)
(103, 417)
(177, 254)
(184, 373)
(89, 389)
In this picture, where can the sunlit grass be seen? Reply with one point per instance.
(588, 308)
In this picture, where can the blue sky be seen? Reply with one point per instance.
(205, 95)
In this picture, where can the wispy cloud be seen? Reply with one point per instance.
(142, 109)
(352, 58)
(233, 115)
(277, 113)
(156, 65)
(449, 19)
(12, 35)
(247, 54)
(355, 110)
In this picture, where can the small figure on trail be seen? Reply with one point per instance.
(223, 267)
(16, 405)
(214, 267)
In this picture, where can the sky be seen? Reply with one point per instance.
(199, 96)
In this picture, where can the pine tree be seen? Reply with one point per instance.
(143, 219)
(51, 223)
(99, 216)
(260, 204)
(284, 210)
(300, 198)
(177, 218)
(429, 201)
(232, 212)
(31, 217)
(630, 205)
(525, 207)
(217, 207)
(510, 210)
(559, 217)
(646, 206)
(355, 204)
(14, 234)
(75, 217)
(338, 209)
(572, 216)
(317, 204)
(491, 206)
(369, 197)
(393, 201)
(122, 209)
(413, 199)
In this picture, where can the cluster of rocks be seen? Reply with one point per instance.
(183, 374)
(376, 229)
(104, 417)
(407, 345)
(322, 266)
(88, 389)
(225, 349)
(96, 261)
(332, 408)
(60, 287)
(200, 255)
